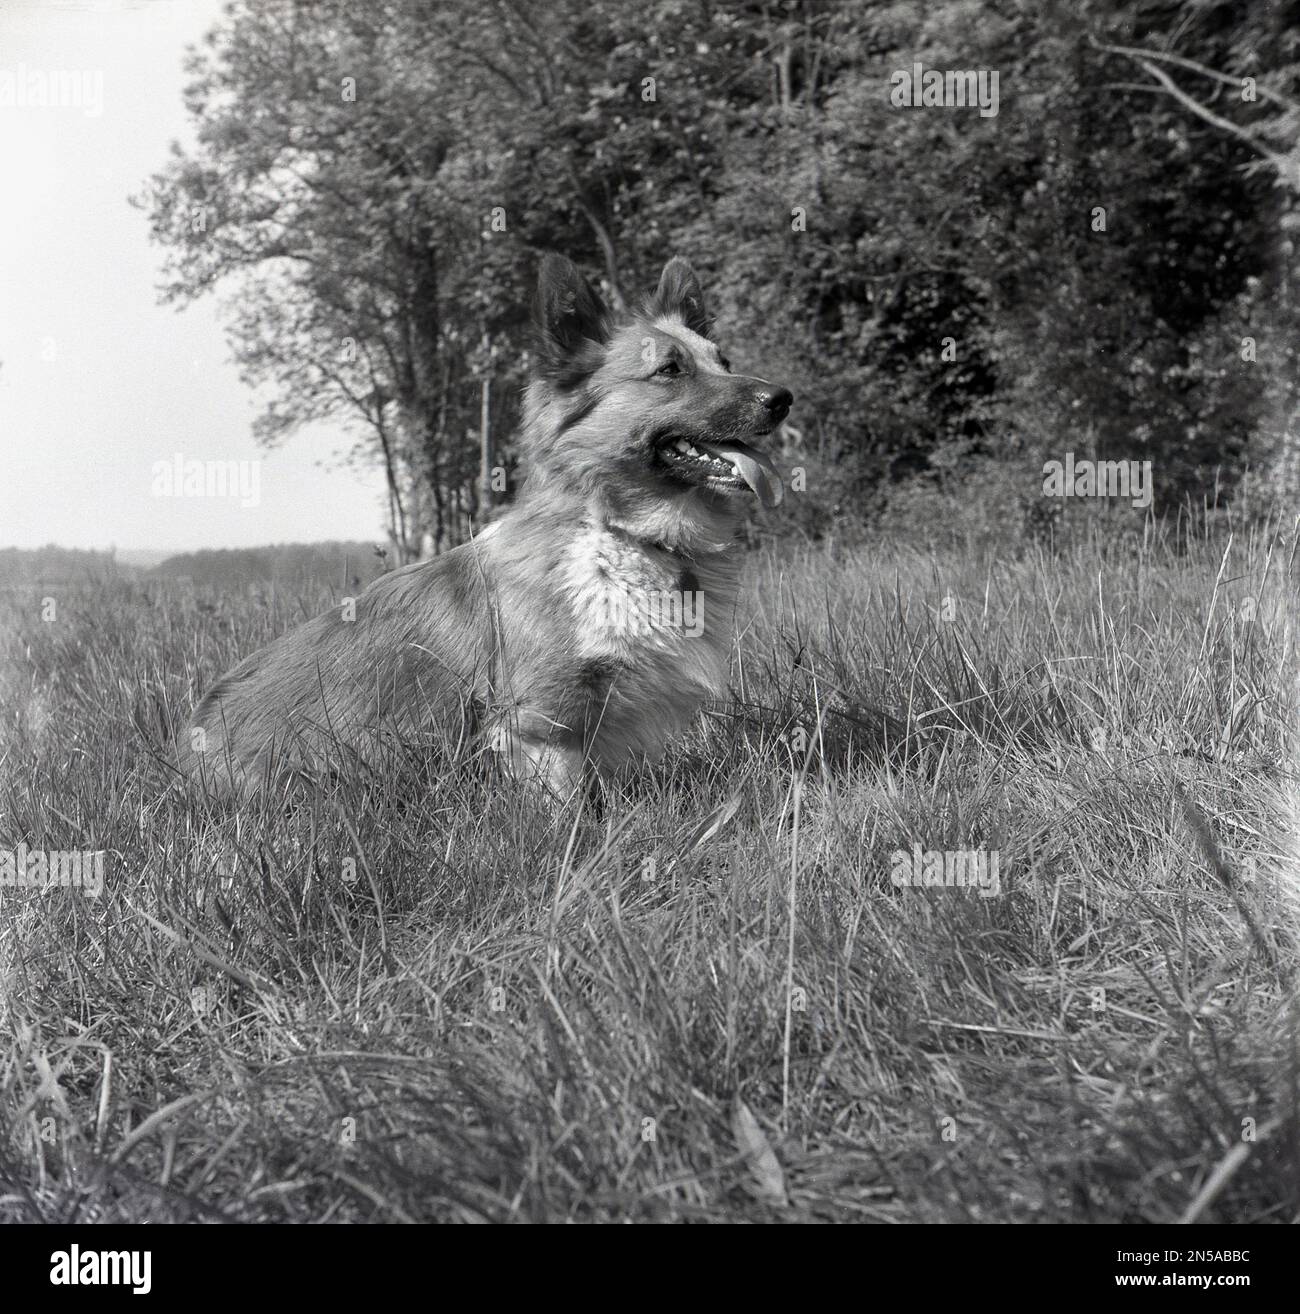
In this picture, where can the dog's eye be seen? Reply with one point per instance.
(669, 368)
(725, 363)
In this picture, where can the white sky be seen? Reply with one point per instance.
(131, 382)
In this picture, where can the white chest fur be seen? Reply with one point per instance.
(646, 610)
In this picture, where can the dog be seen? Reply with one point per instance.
(583, 628)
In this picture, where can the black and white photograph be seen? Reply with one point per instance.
(663, 612)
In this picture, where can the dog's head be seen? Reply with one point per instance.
(641, 409)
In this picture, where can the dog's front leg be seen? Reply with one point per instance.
(536, 752)
(556, 766)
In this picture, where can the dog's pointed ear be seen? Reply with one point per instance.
(570, 320)
(679, 293)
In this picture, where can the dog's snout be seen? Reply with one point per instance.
(776, 402)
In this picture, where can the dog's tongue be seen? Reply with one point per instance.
(753, 467)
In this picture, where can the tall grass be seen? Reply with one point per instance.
(700, 996)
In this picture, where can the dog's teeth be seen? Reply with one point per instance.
(681, 445)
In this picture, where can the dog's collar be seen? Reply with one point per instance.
(687, 580)
(655, 544)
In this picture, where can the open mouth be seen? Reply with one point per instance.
(725, 467)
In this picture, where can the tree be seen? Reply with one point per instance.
(327, 192)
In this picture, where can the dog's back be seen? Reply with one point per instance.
(409, 651)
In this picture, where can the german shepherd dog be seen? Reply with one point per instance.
(583, 628)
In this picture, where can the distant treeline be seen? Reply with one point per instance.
(56, 565)
(345, 565)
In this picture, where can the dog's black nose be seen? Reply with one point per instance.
(776, 402)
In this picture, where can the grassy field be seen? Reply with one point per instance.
(708, 998)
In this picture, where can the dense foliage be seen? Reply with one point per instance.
(372, 185)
